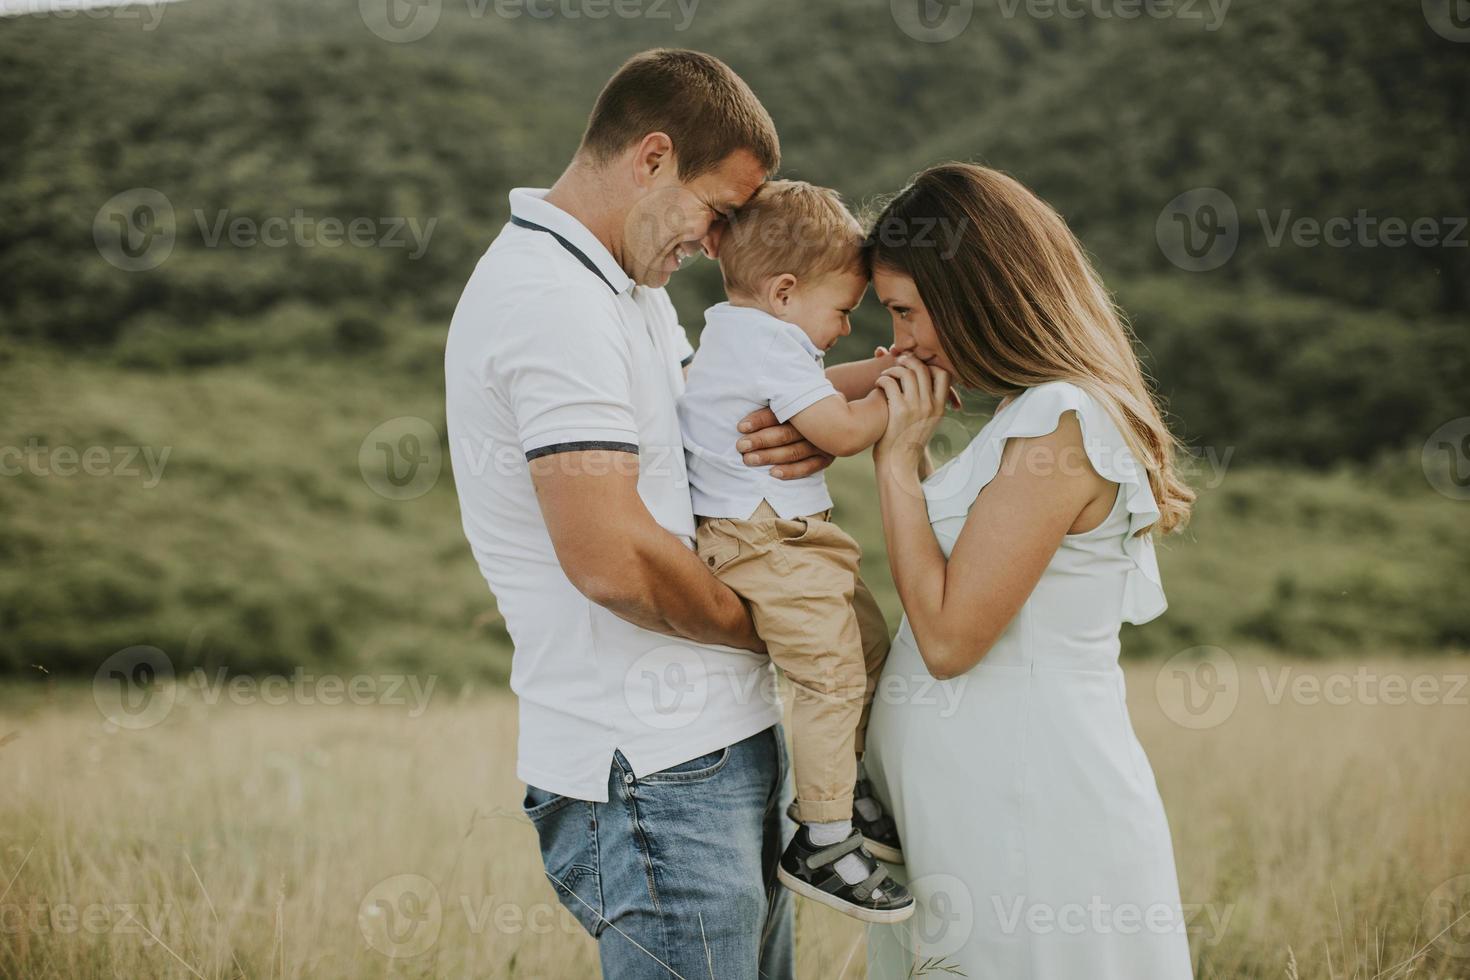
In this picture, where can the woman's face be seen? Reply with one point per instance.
(913, 331)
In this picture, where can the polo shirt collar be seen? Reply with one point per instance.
(729, 313)
(529, 204)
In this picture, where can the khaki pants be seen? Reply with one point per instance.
(823, 629)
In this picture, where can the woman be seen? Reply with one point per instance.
(1034, 836)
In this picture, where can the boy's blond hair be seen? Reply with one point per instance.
(789, 226)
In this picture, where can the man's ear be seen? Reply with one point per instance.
(652, 158)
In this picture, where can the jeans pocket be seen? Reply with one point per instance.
(694, 770)
(566, 829)
(540, 803)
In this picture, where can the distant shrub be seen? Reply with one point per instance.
(356, 333)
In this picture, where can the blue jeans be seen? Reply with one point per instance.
(675, 875)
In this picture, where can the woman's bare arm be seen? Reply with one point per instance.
(959, 608)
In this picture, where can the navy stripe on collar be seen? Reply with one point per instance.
(580, 255)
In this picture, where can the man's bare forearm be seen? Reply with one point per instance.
(667, 589)
(618, 556)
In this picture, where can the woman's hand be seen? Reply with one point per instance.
(917, 395)
(952, 399)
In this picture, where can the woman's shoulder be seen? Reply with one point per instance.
(1058, 396)
(1042, 409)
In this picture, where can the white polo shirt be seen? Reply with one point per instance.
(554, 349)
(748, 360)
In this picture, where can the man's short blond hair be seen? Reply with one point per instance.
(789, 226)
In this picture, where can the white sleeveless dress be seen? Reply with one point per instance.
(1034, 835)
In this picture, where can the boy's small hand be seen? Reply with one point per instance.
(767, 442)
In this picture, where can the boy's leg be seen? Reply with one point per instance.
(799, 578)
(669, 874)
(874, 630)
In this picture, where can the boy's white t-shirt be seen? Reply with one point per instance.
(747, 360)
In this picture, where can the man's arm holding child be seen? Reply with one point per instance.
(617, 555)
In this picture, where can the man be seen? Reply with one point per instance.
(649, 736)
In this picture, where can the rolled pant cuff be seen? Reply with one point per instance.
(824, 811)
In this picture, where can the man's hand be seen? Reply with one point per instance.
(769, 443)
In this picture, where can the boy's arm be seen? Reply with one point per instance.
(856, 379)
(841, 427)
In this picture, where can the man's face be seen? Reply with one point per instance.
(675, 220)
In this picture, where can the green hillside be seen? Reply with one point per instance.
(1317, 370)
(259, 544)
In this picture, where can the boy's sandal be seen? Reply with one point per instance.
(880, 836)
(808, 870)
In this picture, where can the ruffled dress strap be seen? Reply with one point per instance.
(952, 489)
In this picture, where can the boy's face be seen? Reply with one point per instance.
(821, 308)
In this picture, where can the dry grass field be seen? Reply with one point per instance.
(1322, 825)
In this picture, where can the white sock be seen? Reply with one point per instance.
(849, 866)
(866, 806)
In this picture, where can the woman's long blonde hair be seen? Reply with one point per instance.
(1016, 304)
